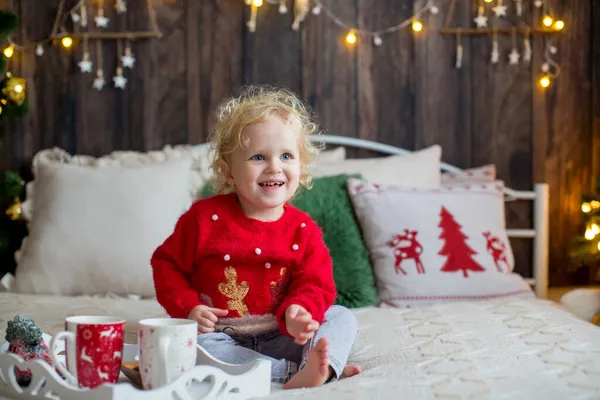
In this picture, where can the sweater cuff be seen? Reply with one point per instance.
(188, 305)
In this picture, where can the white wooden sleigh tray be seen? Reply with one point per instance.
(209, 379)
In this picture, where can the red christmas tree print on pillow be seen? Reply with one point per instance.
(406, 247)
(497, 249)
(455, 247)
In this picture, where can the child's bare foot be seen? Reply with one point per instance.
(316, 371)
(351, 370)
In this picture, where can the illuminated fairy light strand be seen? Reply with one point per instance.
(353, 32)
(430, 6)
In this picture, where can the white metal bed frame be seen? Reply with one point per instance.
(539, 195)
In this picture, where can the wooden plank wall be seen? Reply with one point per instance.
(406, 92)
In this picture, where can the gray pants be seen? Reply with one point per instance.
(287, 357)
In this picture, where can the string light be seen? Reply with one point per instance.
(547, 21)
(595, 229)
(79, 14)
(351, 37)
(599, 246)
(545, 81)
(559, 25)
(67, 42)
(586, 207)
(589, 235)
(417, 26)
(9, 51)
(302, 8)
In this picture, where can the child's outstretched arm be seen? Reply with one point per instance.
(172, 265)
(312, 287)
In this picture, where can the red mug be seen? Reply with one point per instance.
(94, 350)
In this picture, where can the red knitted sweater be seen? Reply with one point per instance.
(219, 257)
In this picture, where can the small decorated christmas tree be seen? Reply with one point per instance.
(460, 255)
(585, 249)
(25, 340)
(13, 103)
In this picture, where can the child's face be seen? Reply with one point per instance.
(266, 170)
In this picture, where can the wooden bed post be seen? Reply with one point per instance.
(541, 241)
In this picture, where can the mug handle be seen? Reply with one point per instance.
(163, 349)
(69, 346)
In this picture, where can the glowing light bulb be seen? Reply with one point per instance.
(595, 229)
(257, 3)
(586, 207)
(547, 20)
(417, 26)
(598, 245)
(67, 41)
(559, 25)
(488, 1)
(589, 235)
(18, 88)
(545, 81)
(351, 37)
(595, 204)
(9, 51)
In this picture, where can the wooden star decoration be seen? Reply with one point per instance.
(481, 21)
(120, 81)
(85, 65)
(500, 10)
(514, 57)
(101, 21)
(121, 6)
(128, 61)
(98, 82)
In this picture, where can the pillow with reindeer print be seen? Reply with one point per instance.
(437, 245)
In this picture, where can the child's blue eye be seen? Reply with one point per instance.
(257, 157)
(286, 156)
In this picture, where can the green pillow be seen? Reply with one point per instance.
(329, 205)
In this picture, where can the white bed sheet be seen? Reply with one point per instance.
(499, 349)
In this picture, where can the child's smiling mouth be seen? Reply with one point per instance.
(270, 184)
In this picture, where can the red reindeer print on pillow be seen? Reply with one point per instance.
(406, 247)
(497, 249)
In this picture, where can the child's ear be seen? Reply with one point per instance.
(227, 173)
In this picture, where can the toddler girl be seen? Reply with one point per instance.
(250, 268)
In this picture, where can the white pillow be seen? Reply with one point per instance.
(431, 245)
(417, 169)
(333, 155)
(483, 174)
(94, 223)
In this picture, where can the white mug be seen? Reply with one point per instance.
(167, 348)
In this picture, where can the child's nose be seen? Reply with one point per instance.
(274, 165)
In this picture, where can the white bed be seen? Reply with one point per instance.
(518, 349)
(488, 349)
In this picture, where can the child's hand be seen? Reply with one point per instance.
(206, 317)
(299, 324)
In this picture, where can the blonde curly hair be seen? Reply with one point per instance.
(253, 105)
